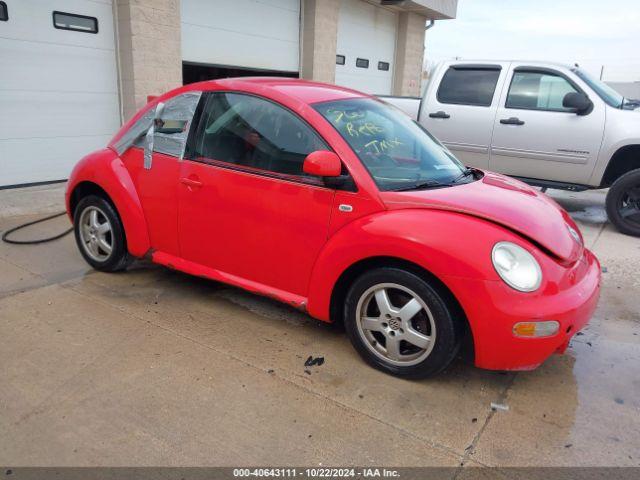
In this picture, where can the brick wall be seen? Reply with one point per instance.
(319, 39)
(409, 54)
(149, 49)
(149, 46)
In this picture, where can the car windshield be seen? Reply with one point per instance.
(398, 153)
(604, 91)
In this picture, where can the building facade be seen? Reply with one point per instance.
(74, 70)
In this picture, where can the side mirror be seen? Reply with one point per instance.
(578, 102)
(169, 127)
(322, 163)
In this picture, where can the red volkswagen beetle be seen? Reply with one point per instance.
(340, 205)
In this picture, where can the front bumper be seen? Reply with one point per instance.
(493, 308)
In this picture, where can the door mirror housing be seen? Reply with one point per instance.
(322, 163)
(578, 102)
(169, 127)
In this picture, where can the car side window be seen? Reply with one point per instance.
(473, 86)
(248, 131)
(172, 128)
(174, 122)
(531, 90)
(136, 133)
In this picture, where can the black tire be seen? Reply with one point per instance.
(118, 258)
(625, 190)
(448, 332)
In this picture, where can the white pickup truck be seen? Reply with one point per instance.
(549, 125)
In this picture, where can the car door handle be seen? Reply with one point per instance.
(191, 182)
(439, 114)
(511, 121)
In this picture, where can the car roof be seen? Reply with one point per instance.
(303, 90)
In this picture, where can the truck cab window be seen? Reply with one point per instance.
(468, 86)
(538, 91)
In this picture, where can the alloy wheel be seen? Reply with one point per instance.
(96, 234)
(395, 324)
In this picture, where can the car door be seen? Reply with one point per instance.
(245, 207)
(152, 157)
(461, 111)
(536, 137)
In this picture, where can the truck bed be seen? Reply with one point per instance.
(409, 105)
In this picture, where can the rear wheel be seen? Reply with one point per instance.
(399, 323)
(100, 235)
(623, 203)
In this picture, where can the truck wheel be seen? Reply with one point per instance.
(399, 324)
(623, 203)
(100, 235)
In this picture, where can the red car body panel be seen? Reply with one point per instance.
(506, 201)
(158, 194)
(105, 169)
(569, 299)
(261, 246)
(293, 241)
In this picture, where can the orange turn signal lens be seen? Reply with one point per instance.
(536, 329)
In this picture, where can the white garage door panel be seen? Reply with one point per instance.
(63, 68)
(246, 33)
(58, 89)
(44, 159)
(366, 31)
(32, 20)
(51, 114)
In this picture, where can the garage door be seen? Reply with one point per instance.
(261, 34)
(58, 86)
(366, 47)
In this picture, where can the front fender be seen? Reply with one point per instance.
(447, 244)
(622, 130)
(105, 169)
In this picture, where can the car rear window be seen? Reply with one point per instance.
(469, 86)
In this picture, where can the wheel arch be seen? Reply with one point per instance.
(437, 245)
(351, 273)
(624, 160)
(84, 189)
(103, 173)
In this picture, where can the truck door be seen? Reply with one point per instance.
(535, 137)
(460, 110)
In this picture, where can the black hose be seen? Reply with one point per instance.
(40, 240)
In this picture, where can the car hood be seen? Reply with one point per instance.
(504, 201)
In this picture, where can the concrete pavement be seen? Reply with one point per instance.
(153, 367)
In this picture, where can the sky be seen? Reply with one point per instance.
(589, 32)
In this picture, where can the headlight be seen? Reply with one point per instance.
(516, 266)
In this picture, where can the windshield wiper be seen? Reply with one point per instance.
(434, 183)
(465, 173)
(421, 186)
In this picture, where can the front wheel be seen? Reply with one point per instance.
(399, 324)
(623, 203)
(100, 235)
